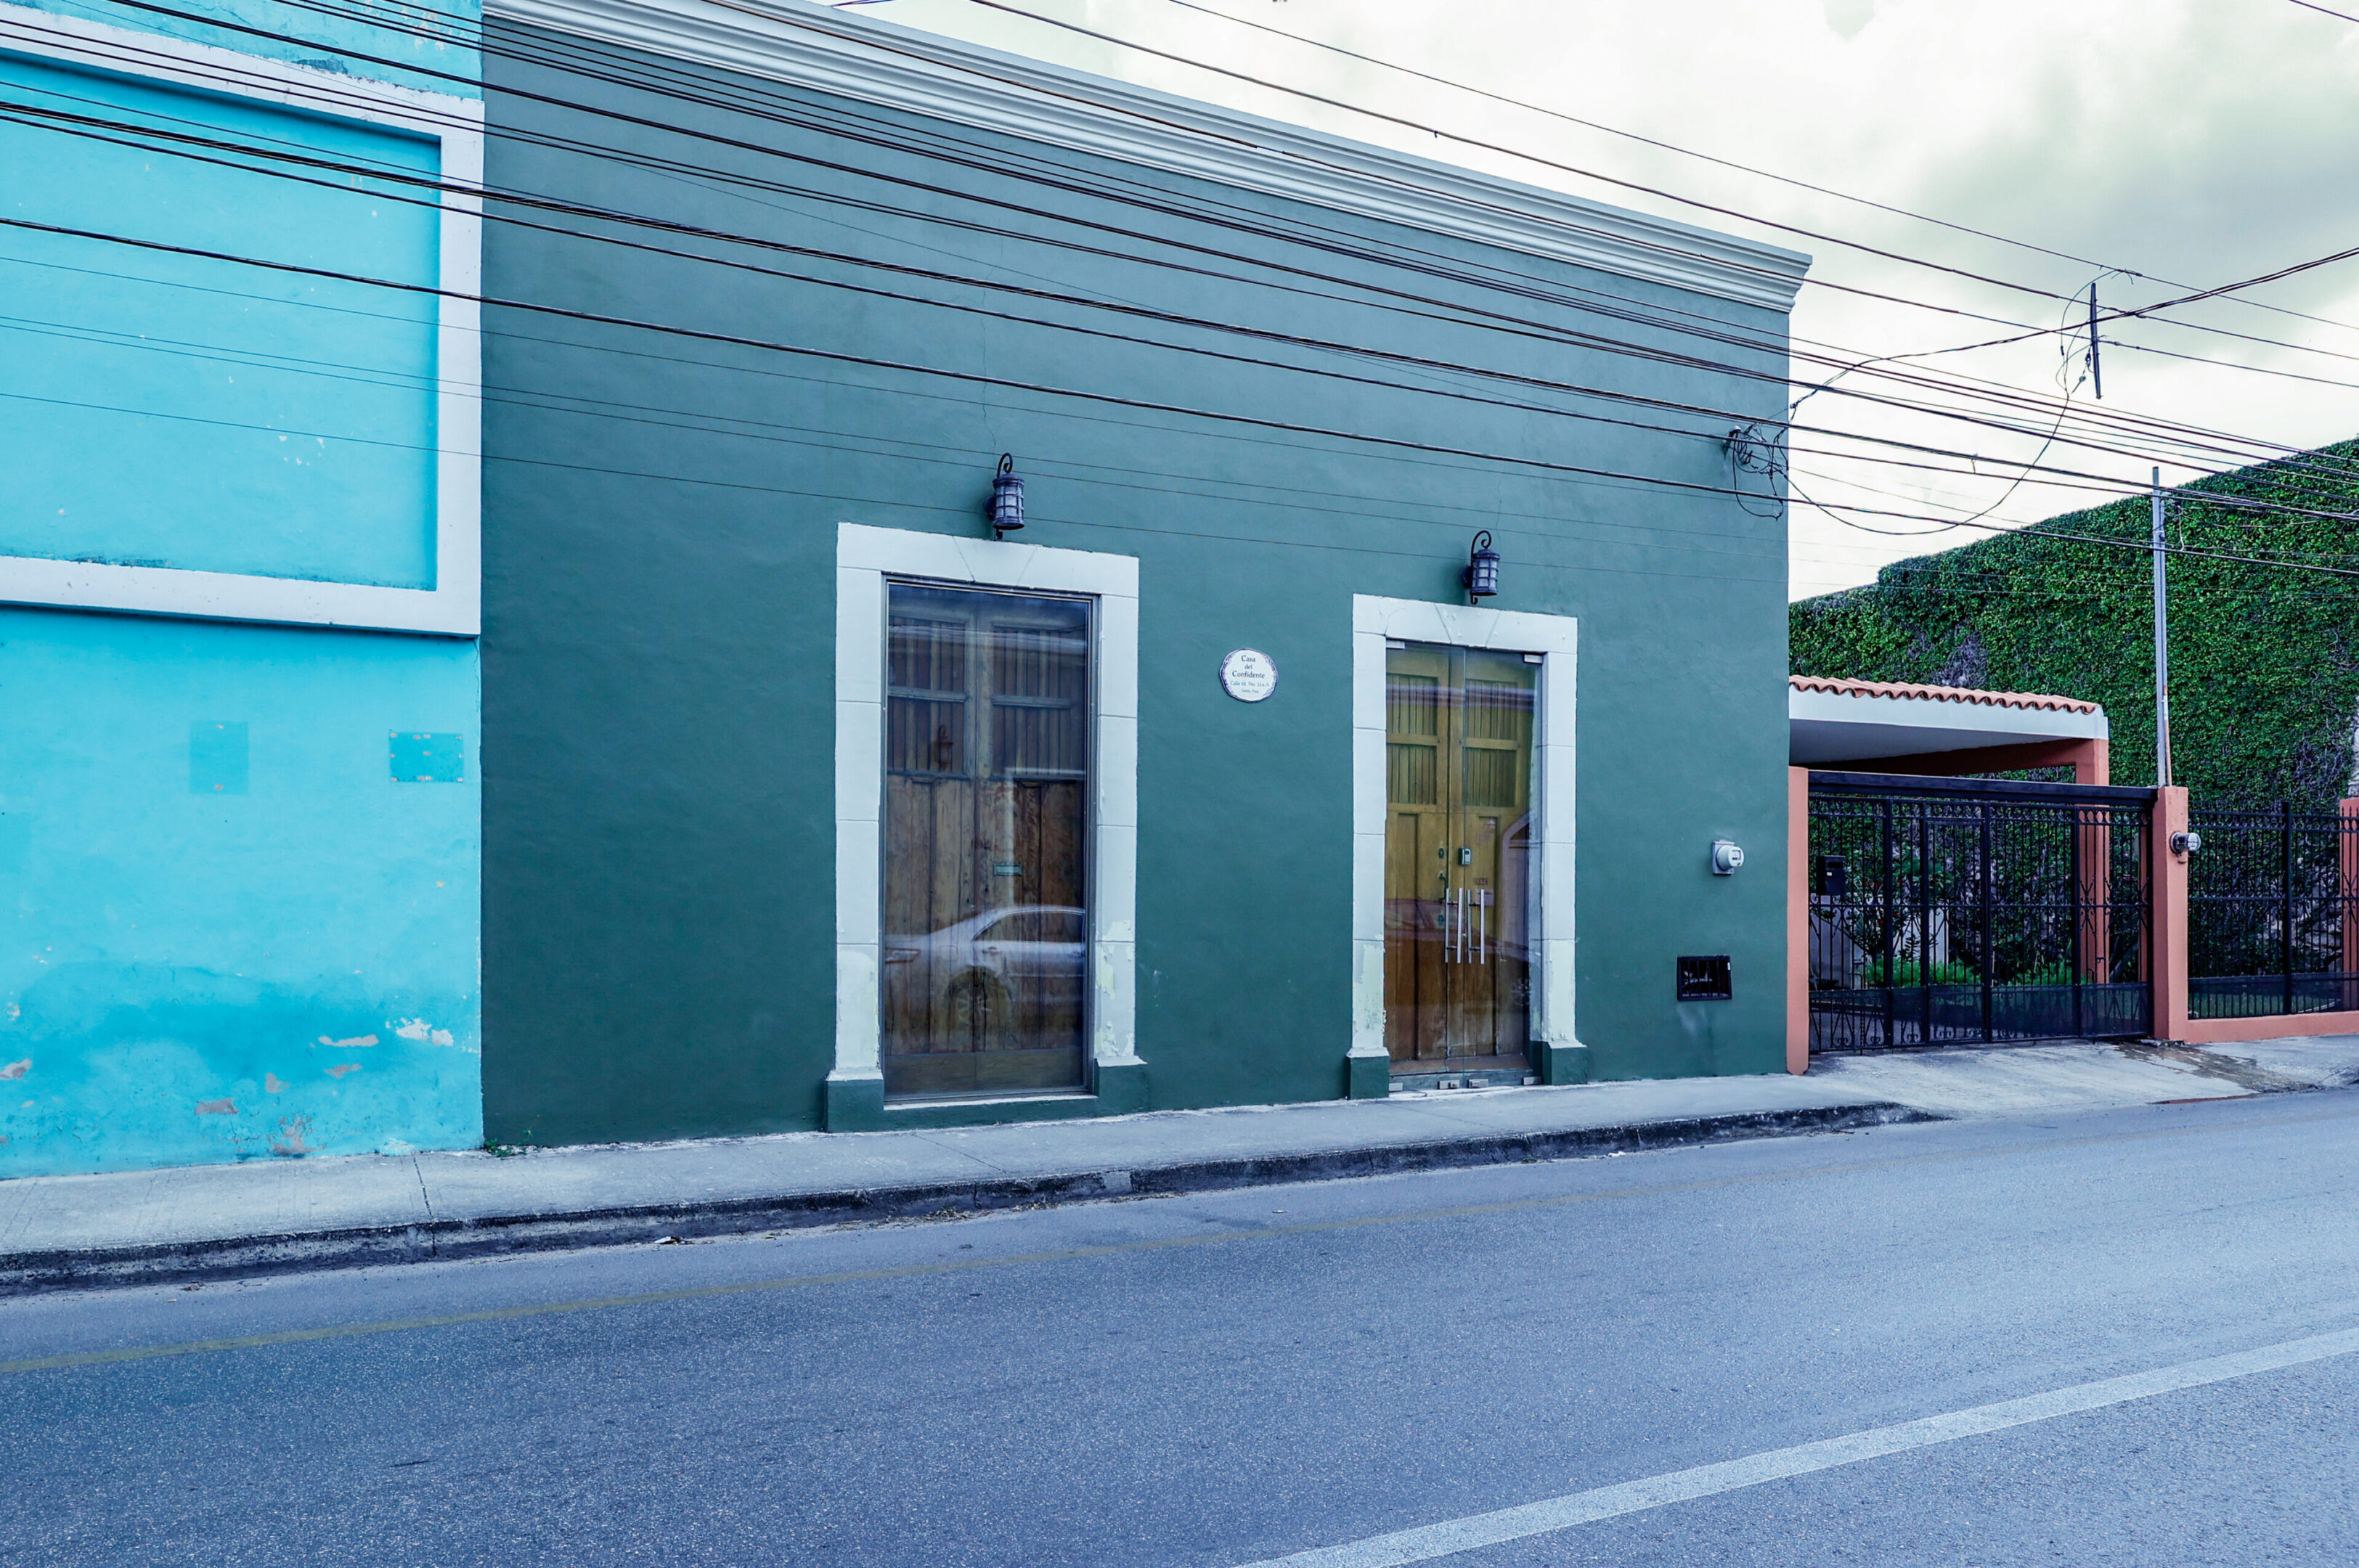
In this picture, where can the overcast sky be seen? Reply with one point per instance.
(2199, 143)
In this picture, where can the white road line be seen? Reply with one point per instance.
(1429, 1542)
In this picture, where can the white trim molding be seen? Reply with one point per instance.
(867, 559)
(452, 607)
(1555, 638)
(861, 57)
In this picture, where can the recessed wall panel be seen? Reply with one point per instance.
(168, 409)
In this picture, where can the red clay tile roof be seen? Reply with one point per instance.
(1941, 694)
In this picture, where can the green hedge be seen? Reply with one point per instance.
(2264, 662)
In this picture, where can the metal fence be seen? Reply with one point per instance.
(1968, 912)
(2270, 927)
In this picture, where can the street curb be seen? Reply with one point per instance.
(22, 1273)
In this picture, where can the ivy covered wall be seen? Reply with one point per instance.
(2263, 661)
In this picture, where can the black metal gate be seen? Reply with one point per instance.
(1967, 911)
(2273, 914)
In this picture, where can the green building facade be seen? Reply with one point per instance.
(811, 801)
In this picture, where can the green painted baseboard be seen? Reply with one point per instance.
(1562, 1064)
(857, 1105)
(1368, 1077)
(1121, 1089)
(854, 1105)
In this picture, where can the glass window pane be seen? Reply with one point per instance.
(987, 811)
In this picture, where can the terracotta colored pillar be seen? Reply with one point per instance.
(2166, 915)
(2347, 861)
(2092, 764)
(1797, 920)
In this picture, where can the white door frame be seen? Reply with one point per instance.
(1375, 621)
(867, 559)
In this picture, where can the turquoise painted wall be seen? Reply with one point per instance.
(290, 419)
(226, 931)
(238, 863)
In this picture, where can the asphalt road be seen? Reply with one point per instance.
(1230, 1380)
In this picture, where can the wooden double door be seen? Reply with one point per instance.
(1458, 857)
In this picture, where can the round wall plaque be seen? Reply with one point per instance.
(1248, 674)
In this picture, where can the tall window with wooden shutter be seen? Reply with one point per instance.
(985, 842)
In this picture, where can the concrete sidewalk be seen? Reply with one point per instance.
(2029, 1080)
(213, 1221)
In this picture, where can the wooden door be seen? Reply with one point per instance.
(1419, 735)
(1458, 793)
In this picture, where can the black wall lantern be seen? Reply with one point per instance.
(1481, 574)
(1006, 498)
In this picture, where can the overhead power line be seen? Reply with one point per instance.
(1616, 345)
(1114, 399)
(997, 164)
(2072, 479)
(742, 427)
(1547, 162)
(1732, 164)
(473, 34)
(1477, 142)
(1363, 506)
(1472, 369)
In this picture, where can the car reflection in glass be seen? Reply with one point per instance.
(1032, 950)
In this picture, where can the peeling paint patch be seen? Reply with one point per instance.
(356, 1042)
(442, 1037)
(17, 1069)
(340, 1068)
(216, 1107)
(273, 1084)
(413, 1029)
(292, 1137)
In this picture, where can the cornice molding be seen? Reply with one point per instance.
(859, 57)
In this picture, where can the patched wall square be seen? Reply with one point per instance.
(217, 757)
(428, 759)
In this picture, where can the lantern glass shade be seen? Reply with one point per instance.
(1007, 497)
(1482, 574)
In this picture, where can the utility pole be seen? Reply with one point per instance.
(2161, 646)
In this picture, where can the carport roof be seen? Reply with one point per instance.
(1833, 721)
(1942, 694)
